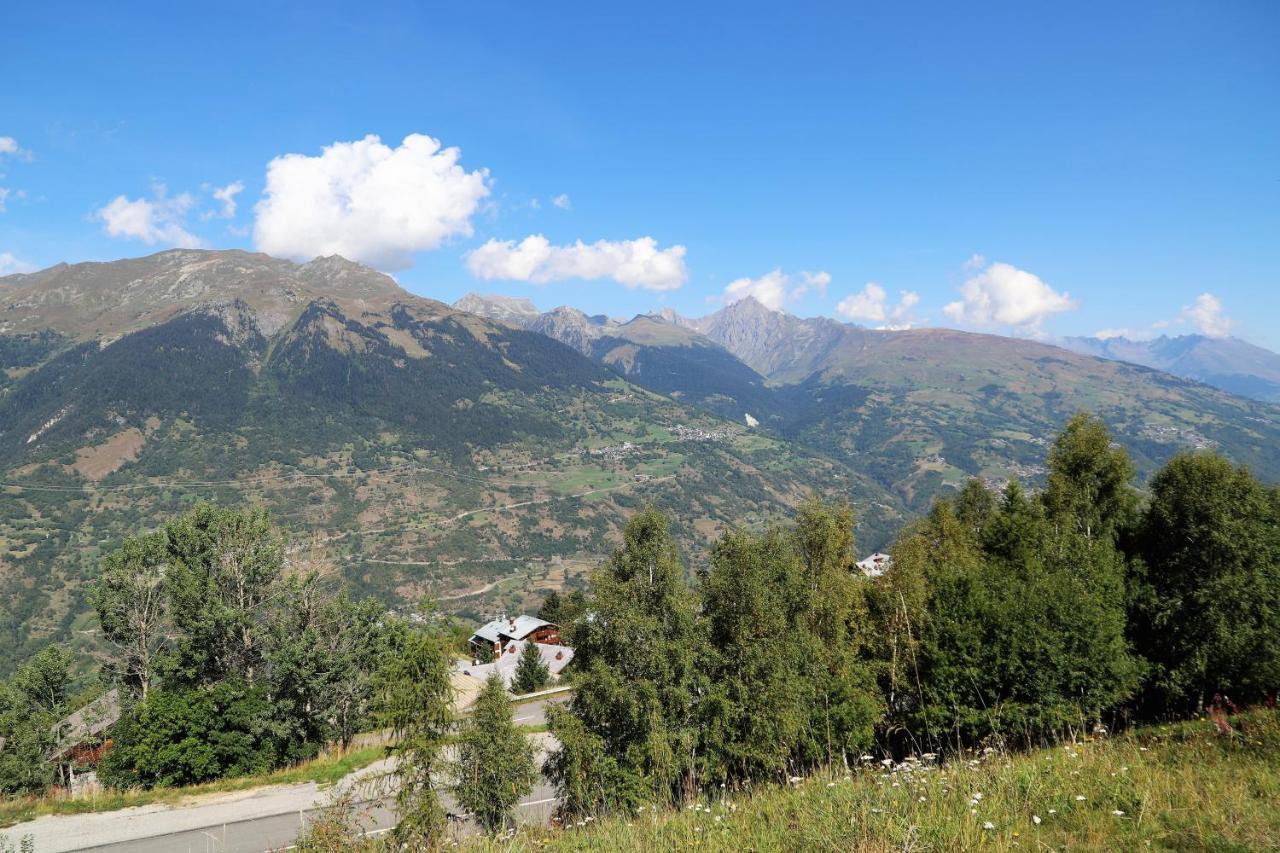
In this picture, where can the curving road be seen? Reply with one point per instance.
(254, 821)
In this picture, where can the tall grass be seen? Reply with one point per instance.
(1186, 786)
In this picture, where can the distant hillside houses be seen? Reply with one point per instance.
(875, 565)
(503, 631)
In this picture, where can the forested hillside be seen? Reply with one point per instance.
(424, 450)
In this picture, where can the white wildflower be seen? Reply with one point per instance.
(1035, 818)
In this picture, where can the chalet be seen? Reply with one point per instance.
(556, 658)
(875, 565)
(81, 739)
(502, 631)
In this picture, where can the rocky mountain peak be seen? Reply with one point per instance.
(513, 310)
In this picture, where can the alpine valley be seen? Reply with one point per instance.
(486, 453)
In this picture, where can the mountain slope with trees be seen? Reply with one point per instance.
(921, 410)
(423, 450)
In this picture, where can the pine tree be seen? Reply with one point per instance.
(531, 672)
(495, 765)
(415, 701)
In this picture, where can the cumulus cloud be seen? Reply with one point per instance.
(776, 289)
(226, 196)
(1207, 315)
(632, 263)
(4, 194)
(871, 305)
(562, 201)
(1000, 294)
(159, 219)
(368, 201)
(10, 264)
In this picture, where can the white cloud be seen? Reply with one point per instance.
(367, 201)
(632, 263)
(10, 146)
(1206, 315)
(1131, 334)
(776, 289)
(227, 197)
(815, 281)
(1002, 295)
(4, 194)
(871, 305)
(159, 219)
(770, 289)
(10, 265)
(562, 201)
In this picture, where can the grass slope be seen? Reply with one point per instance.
(1181, 787)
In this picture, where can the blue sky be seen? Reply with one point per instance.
(1029, 168)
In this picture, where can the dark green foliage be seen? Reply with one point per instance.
(272, 667)
(1001, 623)
(325, 652)
(182, 737)
(588, 778)
(784, 617)
(531, 672)
(414, 699)
(27, 350)
(224, 568)
(563, 611)
(1090, 480)
(1206, 610)
(495, 765)
(706, 376)
(31, 703)
(636, 657)
(184, 367)
(833, 623)
(755, 714)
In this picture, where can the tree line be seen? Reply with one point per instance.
(1006, 617)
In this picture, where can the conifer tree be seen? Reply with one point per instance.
(415, 700)
(532, 673)
(495, 765)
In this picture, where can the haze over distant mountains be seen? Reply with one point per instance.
(1227, 363)
(783, 347)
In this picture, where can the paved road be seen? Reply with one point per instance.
(534, 712)
(246, 822)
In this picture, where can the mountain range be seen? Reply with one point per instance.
(418, 449)
(917, 410)
(1223, 362)
(485, 453)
